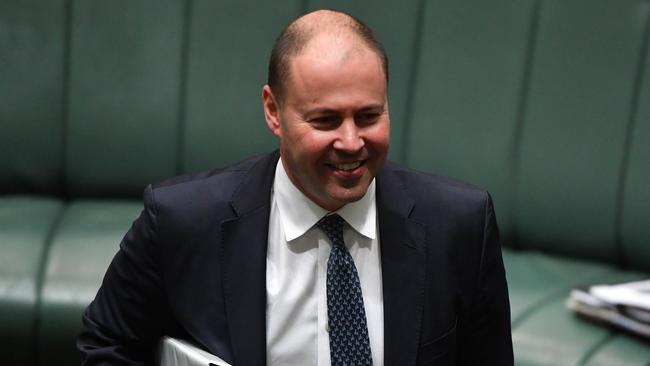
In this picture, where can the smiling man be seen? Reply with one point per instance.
(319, 253)
(330, 112)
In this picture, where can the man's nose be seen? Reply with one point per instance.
(349, 139)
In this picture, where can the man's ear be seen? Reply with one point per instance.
(271, 110)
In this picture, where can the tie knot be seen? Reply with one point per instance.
(332, 226)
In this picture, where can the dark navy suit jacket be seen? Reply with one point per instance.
(193, 265)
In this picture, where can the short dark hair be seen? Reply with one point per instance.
(294, 38)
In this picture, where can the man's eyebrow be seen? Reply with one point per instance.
(326, 111)
(318, 111)
(373, 108)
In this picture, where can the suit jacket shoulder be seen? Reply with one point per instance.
(434, 193)
(168, 276)
(188, 200)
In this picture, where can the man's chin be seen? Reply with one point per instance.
(346, 195)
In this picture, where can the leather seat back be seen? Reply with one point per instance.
(539, 102)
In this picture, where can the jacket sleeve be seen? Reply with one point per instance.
(489, 338)
(126, 319)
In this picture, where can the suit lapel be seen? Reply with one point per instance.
(403, 270)
(244, 243)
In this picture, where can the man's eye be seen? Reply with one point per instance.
(367, 118)
(325, 121)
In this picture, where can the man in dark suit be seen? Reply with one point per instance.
(233, 259)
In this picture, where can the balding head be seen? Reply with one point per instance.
(325, 33)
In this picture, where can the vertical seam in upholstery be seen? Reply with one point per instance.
(65, 97)
(629, 136)
(182, 86)
(403, 153)
(40, 279)
(589, 354)
(522, 106)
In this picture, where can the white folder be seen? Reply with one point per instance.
(177, 352)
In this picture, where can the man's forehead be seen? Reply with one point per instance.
(321, 62)
(330, 87)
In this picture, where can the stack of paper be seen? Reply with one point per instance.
(177, 352)
(625, 305)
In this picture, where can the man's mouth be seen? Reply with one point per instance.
(347, 167)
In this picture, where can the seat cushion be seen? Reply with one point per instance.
(25, 226)
(544, 331)
(86, 240)
(535, 278)
(621, 350)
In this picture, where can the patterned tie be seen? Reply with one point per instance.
(348, 330)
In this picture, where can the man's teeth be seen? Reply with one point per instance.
(349, 166)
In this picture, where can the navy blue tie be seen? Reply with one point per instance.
(348, 329)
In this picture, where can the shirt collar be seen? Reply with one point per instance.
(298, 213)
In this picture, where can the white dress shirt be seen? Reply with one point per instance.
(296, 271)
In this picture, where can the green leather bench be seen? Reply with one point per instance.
(546, 103)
